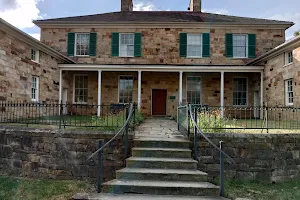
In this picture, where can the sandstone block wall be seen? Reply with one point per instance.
(58, 155)
(259, 157)
(162, 80)
(161, 45)
(17, 69)
(276, 72)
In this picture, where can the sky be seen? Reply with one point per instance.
(20, 13)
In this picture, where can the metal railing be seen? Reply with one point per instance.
(125, 128)
(63, 115)
(191, 117)
(220, 119)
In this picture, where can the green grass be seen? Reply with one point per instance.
(260, 191)
(12, 188)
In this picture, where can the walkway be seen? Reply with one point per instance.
(158, 128)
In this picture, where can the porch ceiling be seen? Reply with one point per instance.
(161, 68)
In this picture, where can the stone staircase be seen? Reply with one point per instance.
(160, 168)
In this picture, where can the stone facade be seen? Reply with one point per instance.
(17, 69)
(266, 158)
(58, 155)
(276, 72)
(161, 45)
(162, 80)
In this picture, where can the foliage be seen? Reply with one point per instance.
(297, 33)
(139, 117)
(40, 189)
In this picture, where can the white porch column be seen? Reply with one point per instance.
(222, 94)
(139, 89)
(99, 92)
(180, 87)
(60, 88)
(261, 94)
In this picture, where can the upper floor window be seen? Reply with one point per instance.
(240, 46)
(81, 89)
(289, 93)
(125, 89)
(35, 55)
(127, 45)
(82, 44)
(240, 88)
(194, 45)
(289, 57)
(35, 88)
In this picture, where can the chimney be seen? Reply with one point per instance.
(195, 5)
(126, 5)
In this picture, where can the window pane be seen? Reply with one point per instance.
(194, 90)
(127, 44)
(125, 89)
(81, 89)
(240, 46)
(240, 91)
(194, 45)
(82, 43)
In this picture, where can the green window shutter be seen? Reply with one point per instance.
(182, 44)
(115, 44)
(251, 46)
(93, 44)
(206, 45)
(229, 45)
(137, 44)
(71, 44)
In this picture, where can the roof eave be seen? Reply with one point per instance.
(24, 37)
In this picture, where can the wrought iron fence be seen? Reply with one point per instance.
(219, 119)
(64, 115)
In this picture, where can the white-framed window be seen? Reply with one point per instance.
(289, 93)
(289, 57)
(240, 45)
(35, 55)
(81, 89)
(240, 91)
(193, 88)
(82, 44)
(194, 45)
(126, 45)
(125, 89)
(35, 88)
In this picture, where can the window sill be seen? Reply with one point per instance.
(240, 58)
(36, 62)
(286, 65)
(82, 56)
(240, 106)
(82, 103)
(193, 57)
(126, 56)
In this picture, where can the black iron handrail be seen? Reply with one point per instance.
(129, 115)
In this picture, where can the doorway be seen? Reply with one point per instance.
(159, 102)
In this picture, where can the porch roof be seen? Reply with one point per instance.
(162, 68)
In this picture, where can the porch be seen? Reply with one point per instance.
(159, 90)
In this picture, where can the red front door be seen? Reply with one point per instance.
(159, 102)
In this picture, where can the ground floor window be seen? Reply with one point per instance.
(289, 93)
(125, 89)
(193, 89)
(240, 91)
(35, 88)
(81, 89)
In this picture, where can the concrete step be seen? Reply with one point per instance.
(161, 152)
(161, 143)
(161, 163)
(106, 196)
(161, 188)
(161, 174)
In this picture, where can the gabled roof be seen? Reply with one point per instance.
(287, 46)
(163, 17)
(24, 37)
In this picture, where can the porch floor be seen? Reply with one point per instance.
(158, 128)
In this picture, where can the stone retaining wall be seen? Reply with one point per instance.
(266, 158)
(60, 155)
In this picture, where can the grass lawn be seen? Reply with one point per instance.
(12, 188)
(260, 191)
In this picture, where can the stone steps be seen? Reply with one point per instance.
(161, 152)
(161, 174)
(161, 187)
(144, 142)
(161, 163)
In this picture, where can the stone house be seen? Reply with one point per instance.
(161, 59)
(28, 68)
(282, 74)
